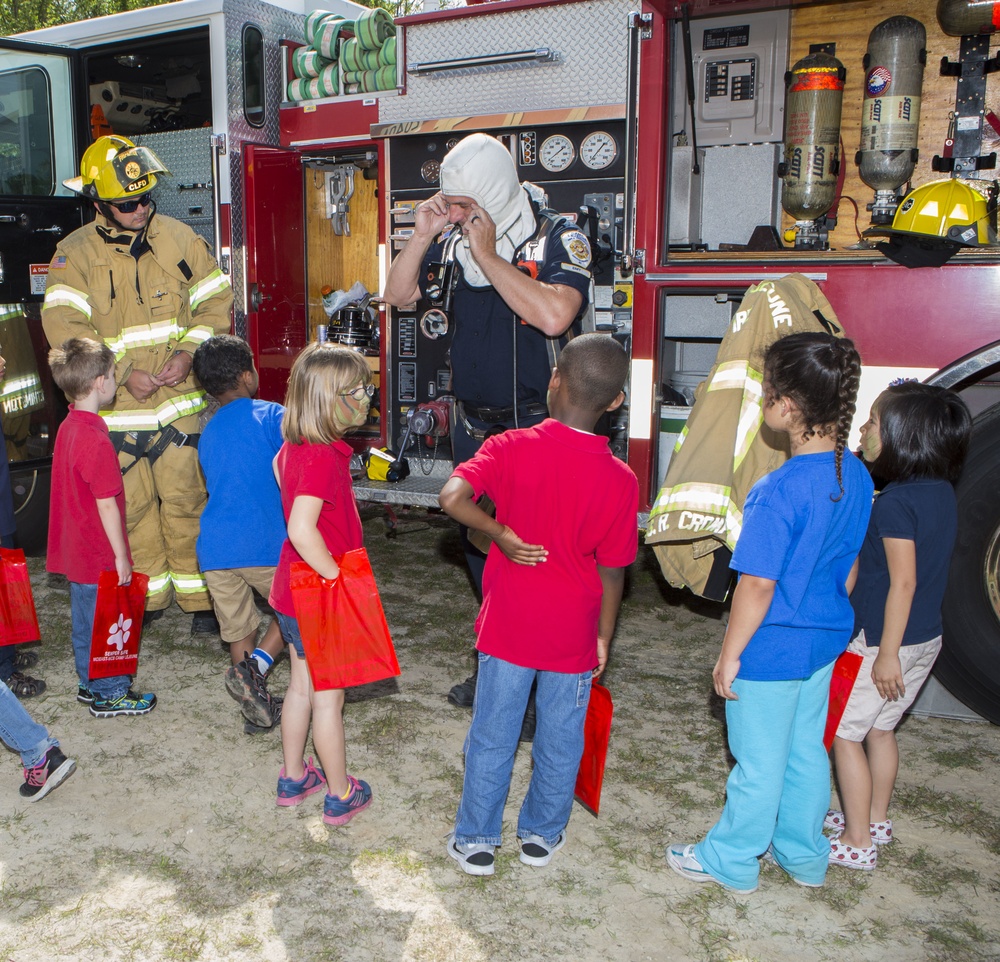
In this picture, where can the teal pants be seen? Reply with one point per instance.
(778, 792)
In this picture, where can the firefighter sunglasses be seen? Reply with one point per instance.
(130, 206)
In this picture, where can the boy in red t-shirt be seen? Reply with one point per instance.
(87, 513)
(565, 528)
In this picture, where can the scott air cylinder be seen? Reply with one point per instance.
(814, 94)
(962, 18)
(890, 113)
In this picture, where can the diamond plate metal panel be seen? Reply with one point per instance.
(276, 24)
(188, 156)
(591, 39)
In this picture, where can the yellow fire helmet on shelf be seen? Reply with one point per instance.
(114, 168)
(935, 221)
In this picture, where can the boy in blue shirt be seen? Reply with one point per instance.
(242, 527)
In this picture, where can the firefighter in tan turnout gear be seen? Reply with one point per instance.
(149, 288)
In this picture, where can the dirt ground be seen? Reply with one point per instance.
(166, 843)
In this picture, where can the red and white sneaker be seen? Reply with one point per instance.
(834, 823)
(848, 856)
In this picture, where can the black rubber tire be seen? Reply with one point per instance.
(969, 663)
(31, 487)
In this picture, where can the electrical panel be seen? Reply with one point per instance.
(739, 65)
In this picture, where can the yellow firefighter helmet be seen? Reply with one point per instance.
(113, 168)
(934, 222)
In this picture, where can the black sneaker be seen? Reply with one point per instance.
(84, 695)
(536, 851)
(472, 859)
(204, 623)
(150, 616)
(249, 687)
(53, 769)
(128, 704)
(24, 659)
(251, 729)
(464, 693)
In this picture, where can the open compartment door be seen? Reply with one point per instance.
(275, 275)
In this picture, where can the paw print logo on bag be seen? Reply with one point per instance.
(119, 632)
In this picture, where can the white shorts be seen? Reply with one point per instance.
(866, 708)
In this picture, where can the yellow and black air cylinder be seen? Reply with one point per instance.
(890, 112)
(963, 18)
(811, 163)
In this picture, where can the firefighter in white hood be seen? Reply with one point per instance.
(523, 282)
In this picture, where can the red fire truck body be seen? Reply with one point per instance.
(660, 128)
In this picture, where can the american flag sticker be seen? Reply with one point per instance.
(58, 262)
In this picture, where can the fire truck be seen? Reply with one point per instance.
(703, 146)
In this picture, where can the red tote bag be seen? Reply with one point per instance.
(596, 735)
(342, 624)
(114, 643)
(845, 674)
(18, 620)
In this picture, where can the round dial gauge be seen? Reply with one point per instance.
(430, 171)
(556, 153)
(598, 150)
(452, 142)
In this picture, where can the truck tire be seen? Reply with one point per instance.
(969, 663)
(31, 487)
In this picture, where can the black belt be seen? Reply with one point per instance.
(144, 445)
(497, 415)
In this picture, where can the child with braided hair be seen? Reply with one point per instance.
(791, 618)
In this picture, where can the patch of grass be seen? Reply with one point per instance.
(957, 813)
(967, 757)
(402, 860)
(393, 725)
(931, 876)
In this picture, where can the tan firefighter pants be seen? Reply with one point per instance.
(163, 505)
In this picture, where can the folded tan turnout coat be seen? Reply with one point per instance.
(723, 450)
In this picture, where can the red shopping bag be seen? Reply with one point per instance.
(596, 734)
(845, 674)
(114, 643)
(342, 624)
(18, 620)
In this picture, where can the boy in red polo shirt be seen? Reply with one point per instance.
(565, 529)
(87, 513)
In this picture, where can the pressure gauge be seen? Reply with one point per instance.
(556, 153)
(452, 142)
(598, 150)
(430, 170)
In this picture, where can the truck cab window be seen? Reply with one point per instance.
(253, 75)
(26, 143)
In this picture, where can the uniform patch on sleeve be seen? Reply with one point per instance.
(572, 268)
(57, 263)
(577, 247)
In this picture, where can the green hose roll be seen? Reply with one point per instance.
(353, 57)
(307, 62)
(331, 35)
(374, 27)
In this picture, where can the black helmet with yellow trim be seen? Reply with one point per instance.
(935, 221)
(113, 168)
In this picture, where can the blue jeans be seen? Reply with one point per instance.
(17, 730)
(290, 632)
(83, 604)
(778, 792)
(501, 697)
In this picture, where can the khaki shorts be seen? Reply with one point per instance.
(233, 601)
(866, 708)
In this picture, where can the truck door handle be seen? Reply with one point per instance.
(54, 229)
(21, 219)
(256, 298)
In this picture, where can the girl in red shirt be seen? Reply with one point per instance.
(329, 393)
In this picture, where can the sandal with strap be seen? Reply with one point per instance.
(24, 686)
(24, 659)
